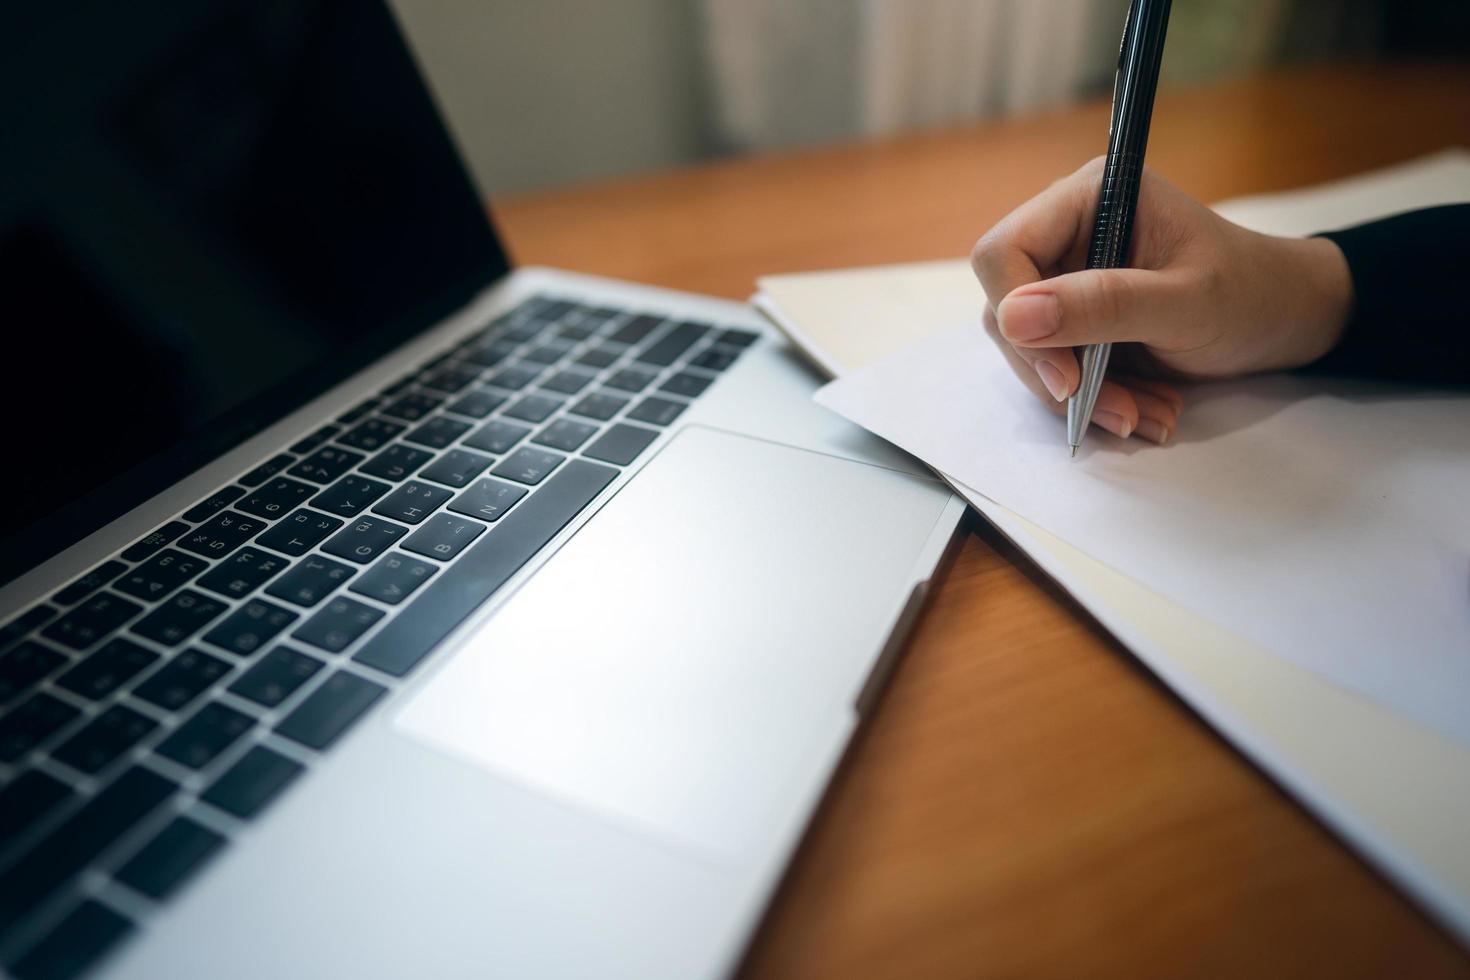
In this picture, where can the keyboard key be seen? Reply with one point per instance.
(528, 465)
(397, 462)
(213, 504)
(373, 434)
(37, 719)
(32, 618)
(179, 618)
(548, 353)
(686, 384)
(410, 503)
(451, 379)
(25, 665)
(621, 444)
(114, 664)
(252, 626)
(524, 331)
(514, 378)
(438, 432)
(489, 355)
(160, 575)
(199, 741)
(276, 677)
(239, 575)
(170, 858)
(325, 434)
(276, 497)
(358, 412)
(26, 799)
(460, 589)
(181, 680)
(267, 470)
(349, 496)
(497, 436)
(393, 578)
(630, 379)
(77, 942)
(600, 406)
(567, 382)
(554, 309)
(477, 404)
(326, 464)
(330, 710)
(565, 434)
(222, 534)
(534, 408)
(92, 620)
(400, 386)
(297, 534)
(311, 581)
(636, 329)
(44, 868)
(337, 624)
(442, 537)
(458, 466)
(89, 583)
(487, 499)
(151, 543)
(658, 411)
(413, 407)
(103, 739)
(599, 316)
(364, 539)
(715, 359)
(737, 338)
(252, 783)
(574, 334)
(598, 357)
(668, 348)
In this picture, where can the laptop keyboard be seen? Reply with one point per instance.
(156, 704)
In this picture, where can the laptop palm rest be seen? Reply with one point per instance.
(693, 649)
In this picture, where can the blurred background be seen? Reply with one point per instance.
(584, 89)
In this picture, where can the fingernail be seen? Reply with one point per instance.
(1113, 422)
(1052, 378)
(1153, 430)
(1030, 317)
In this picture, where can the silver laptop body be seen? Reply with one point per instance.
(551, 689)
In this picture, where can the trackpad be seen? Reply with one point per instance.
(683, 659)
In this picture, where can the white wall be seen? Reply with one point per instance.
(548, 91)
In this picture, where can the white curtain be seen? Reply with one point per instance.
(786, 71)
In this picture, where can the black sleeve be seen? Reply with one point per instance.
(1411, 310)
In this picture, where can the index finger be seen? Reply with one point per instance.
(1036, 236)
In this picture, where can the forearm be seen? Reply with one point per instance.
(1410, 314)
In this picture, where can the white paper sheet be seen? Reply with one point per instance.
(1440, 178)
(1326, 521)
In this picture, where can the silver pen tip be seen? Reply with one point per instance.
(1074, 452)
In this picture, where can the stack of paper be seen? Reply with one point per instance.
(1297, 565)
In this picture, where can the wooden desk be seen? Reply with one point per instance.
(1028, 800)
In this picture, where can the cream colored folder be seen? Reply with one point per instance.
(1396, 791)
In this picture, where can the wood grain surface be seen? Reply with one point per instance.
(1027, 800)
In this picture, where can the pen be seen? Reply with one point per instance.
(1133, 104)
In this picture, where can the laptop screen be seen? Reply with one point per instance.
(209, 212)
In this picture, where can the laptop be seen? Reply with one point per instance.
(371, 607)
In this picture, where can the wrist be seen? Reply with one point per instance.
(1321, 290)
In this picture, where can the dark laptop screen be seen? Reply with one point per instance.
(208, 213)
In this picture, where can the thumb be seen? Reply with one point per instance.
(1100, 306)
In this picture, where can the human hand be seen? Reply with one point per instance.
(1202, 298)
